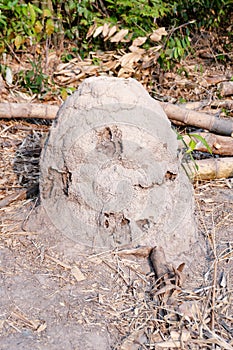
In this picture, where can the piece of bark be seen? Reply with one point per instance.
(226, 88)
(222, 145)
(142, 252)
(159, 263)
(209, 169)
(198, 119)
(28, 110)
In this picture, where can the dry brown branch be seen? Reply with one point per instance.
(213, 168)
(23, 193)
(158, 261)
(198, 119)
(28, 110)
(222, 145)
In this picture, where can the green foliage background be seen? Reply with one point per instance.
(24, 22)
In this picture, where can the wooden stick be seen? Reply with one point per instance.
(28, 110)
(198, 119)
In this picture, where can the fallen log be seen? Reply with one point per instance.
(222, 145)
(198, 119)
(209, 169)
(175, 113)
(28, 110)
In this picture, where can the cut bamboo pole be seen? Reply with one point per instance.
(198, 119)
(28, 110)
(209, 169)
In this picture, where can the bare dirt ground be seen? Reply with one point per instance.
(55, 295)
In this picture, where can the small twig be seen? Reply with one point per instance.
(27, 217)
(12, 51)
(176, 28)
(68, 267)
(117, 271)
(214, 277)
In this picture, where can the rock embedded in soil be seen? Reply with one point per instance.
(110, 174)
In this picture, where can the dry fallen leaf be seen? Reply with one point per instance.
(139, 41)
(137, 50)
(112, 31)
(119, 36)
(91, 30)
(105, 30)
(125, 72)
(143, 251)
(98, 31)
(223, 280)
(129, 58)
(158, 33)
(41, 327)
(134, 340)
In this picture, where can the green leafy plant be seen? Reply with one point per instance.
(208, 13)
(138, 15)
(193, 142)
(17, 21)
(190, 147)
(174, 50)
(26, 23)
(33, 80)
